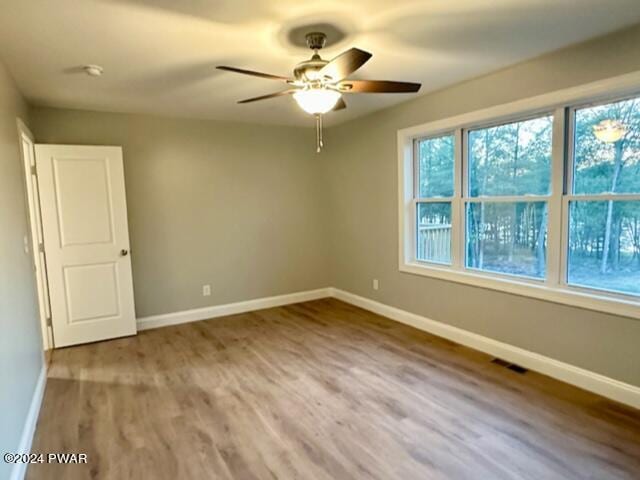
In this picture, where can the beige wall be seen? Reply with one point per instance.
(255, 212)
(236, 206)
(363, 196)
(20, 341)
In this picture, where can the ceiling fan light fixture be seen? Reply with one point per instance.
(317, 101)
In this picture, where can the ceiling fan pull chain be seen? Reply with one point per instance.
(318, 139)
(321, 132)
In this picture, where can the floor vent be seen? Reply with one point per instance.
(502, 363)
(517, 368)
(510, 366)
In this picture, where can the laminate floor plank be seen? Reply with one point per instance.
(320, 390)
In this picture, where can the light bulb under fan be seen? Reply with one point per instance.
(318, 85)
(317, 101)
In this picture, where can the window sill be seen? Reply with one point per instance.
(612, 304)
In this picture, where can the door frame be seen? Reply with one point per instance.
(36, 244)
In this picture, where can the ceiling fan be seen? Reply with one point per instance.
(317, 85)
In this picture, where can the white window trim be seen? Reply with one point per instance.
(554, 288)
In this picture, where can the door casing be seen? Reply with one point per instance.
(35, 240)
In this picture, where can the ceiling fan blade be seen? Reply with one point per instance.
(377, 86)
(251, 72)
(345, 64)
(340, 105)
(264, 97)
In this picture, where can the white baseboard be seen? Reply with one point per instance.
(29, 429)
(591, 381)
(186, 316)
(585, 379)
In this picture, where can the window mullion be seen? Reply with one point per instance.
(456, 231)
(569, 131)
(463, 189)
(555, 221)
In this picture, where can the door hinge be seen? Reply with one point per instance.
(41, 247)
(49, 322)
(34, 171)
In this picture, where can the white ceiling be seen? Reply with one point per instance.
(159, 55)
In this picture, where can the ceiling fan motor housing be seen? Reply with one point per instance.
(316, 40)
(307, 71)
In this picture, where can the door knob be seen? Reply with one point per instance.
(124, 252)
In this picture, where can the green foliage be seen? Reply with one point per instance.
(435, 165)
(604, 243)
(587, 228)
(507, 237)
(515, 160)
(596, 161)
(511, 159)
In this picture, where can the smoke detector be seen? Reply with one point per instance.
(93, 70)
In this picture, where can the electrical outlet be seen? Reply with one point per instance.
(376, 284)
(206, 290)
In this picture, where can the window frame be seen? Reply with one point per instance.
(554, 287)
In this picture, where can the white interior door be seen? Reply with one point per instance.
(86, 240)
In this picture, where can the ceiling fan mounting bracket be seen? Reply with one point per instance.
(316, 40)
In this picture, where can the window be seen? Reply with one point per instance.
(434, 193)
(506, 208)
(604, 208)
(541, 201)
